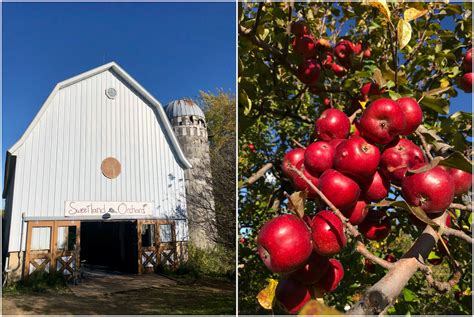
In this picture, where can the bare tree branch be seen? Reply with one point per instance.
(460, 206)
(441, 287)
(260, 173)
(298, 144)
(387, 289)
(457, 233)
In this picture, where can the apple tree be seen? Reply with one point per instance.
(355, 158)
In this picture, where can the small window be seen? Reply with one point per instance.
(166, 233)
(40, 238)
(148, 235)
(66, 238)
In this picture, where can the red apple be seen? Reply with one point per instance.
(305, 46)
(309, 71)
(356, 48)
(343, 51)
(323, 44)
(284, 244)
(432, 190)
(376, 188)
(327, 102)
(466, 82)
(333, 277)
(341, 190)
(328, 233)
(294, 157)
(375, 226)
(413, 114)
(338, 70)
(335, 143)
(370, 89)
(382, 121)
(312, 271)
(299, 28)
(328, 60)
(398, 157)
(367, 53)
(251, 147)
(369, 266)
(300, 184)
(318, 157)
(332, 124)
(358, 213)
(357, 158)
(390, 258)
(462, 181)
(292, 295)
(468, 61)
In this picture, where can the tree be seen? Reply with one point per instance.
(220, 116)
(415, 50)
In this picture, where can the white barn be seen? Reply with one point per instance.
(98, 176)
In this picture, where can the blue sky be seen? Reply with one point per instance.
(173, 50)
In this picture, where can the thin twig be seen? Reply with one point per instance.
(298, 143)
(354, 115)
(256, 176)
(425, 145)
(362, 249)
(441, 287)
(257, 19)
(457, 233)
(352, 230)
(460, 206)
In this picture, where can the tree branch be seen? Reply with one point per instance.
(441, 287)
(354, 115)
(460, 206)
(257, 19)
(256, 176)
(387, 289)
(457, 233)
(298, 143)
(352, 230)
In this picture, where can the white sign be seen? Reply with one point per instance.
(114, 208)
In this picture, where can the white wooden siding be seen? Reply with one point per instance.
(61, 157)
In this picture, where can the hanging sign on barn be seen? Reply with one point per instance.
(113, 208)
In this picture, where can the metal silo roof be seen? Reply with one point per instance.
(183, 107)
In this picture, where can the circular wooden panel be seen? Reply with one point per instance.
(111, 167)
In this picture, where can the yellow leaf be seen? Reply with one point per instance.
(266, 297)
(381, 5)
(412, 14)
(314, 307)
(443, 83)
(297, 201)
(362, 104)
(403, 33)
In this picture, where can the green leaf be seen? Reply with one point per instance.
(437, 104)
(408, 295)
(417, 211)
(455, 160)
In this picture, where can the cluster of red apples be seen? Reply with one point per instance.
(352, 171)
(466, 79)
(319, 53)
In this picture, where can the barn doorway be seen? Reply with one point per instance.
(110, 245)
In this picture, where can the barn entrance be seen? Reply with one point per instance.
(110, 245)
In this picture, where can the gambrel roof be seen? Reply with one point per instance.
(167, 128)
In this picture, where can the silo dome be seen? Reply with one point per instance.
(183, 107)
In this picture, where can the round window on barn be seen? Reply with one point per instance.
(110, 167)
(111, 93)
